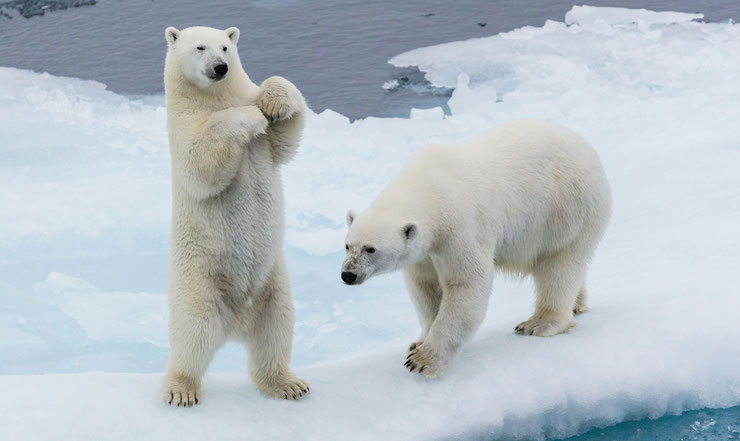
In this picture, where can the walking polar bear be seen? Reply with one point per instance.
(529, 197)
(228, 278)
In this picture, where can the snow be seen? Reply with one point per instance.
(84, 182)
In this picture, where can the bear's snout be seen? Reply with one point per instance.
(221, 69)
(348, 277)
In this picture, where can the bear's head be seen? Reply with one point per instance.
(377, 244)
(200, 55)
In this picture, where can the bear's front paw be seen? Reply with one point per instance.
(425, 360)
(287, 388)
(413, 346)
(279, 99)
(543, 327)
(179, 391)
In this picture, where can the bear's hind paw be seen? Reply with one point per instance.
(287, 389)
(542, 327)
(180, 392)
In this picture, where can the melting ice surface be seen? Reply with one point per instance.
(84, 228)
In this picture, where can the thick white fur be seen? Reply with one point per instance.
(228, 277)
(529, 197)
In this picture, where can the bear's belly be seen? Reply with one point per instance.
(517, 251)
(534, 235)
(231, 240)
(253, 235)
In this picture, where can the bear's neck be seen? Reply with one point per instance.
(181, 93)
(406, 202)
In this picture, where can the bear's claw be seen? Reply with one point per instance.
(413, 346)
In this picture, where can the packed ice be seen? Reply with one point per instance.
(84, 230)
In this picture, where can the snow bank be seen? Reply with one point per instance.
(84, 182)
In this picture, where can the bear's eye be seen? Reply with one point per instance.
(201, 48)
(224, 48)
(370, 250)
(346, 247)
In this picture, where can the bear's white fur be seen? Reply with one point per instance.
(529, 197)
(228, 277)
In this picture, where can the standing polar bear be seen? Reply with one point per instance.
(228, 277)
(529, 197)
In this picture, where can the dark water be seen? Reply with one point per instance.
(335, 51)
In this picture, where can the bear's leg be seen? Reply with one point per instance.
(558, 281)
(268, 332)
(423, 285)
(466, 283)
(196, 332)
(581, 306)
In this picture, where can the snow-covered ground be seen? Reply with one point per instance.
(84, 191)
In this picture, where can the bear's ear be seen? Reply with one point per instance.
(351, 215)
(233, 34)
(172, 34)
(410, 230)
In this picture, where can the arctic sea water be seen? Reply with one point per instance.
(335, 50)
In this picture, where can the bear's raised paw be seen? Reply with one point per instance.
(279, 99)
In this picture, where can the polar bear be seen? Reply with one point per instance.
(529, 197)
(228, 277)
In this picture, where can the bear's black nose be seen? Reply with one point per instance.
(221, 69)
(349, 278)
